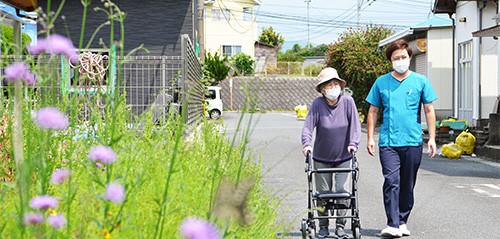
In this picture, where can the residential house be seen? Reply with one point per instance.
(431, 42)
(476, 83)
(230, 26)
(158, 25)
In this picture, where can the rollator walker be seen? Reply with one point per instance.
(308, 225)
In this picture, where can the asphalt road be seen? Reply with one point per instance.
(453, 198)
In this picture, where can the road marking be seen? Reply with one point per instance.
(480, 191)
(491, 186)
(486, 189)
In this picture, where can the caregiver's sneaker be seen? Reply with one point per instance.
(391, 232)
(404, 230)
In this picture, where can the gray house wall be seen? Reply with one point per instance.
(268, 52)
(156, 24)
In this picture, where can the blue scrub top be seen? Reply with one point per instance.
(401, 108)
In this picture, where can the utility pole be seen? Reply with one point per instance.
(308, 1)
(359, 13)
(201, 34)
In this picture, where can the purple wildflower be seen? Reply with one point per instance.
(56, 221)
(41, 45)
(115, 192)
(44, 202)
(59, 175)
(58, 44)
(30, 78)
(55, 44)
(104, 169)
(16, 71)
(196, 228)
(103, 154)
(32, 218)
(98, 164)
(51, 118)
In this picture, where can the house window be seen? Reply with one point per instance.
(247, 14)
(465, 86)
(230, 50)
(221, 15)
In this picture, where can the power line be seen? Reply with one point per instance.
(317, 22)
(333, 21)
(236, 19)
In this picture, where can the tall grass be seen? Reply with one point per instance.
(167, 176)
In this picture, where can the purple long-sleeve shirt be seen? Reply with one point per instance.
(337, 127)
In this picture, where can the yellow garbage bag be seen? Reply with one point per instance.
(467, 141)
(452, 150)
(301, 111)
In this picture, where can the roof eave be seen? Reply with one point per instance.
(444, 6)
(488, 32)
(25, 5)
(399, 35)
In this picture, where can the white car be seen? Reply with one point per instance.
(213, 102)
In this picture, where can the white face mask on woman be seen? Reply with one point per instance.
(401, 66)
(332, 94)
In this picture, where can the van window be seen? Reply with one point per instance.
(210, 94)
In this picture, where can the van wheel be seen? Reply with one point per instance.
(215, 114)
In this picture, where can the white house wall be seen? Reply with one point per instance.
(467, 10)
(489, 65)
(489, 75)
(440, 68)
(236, 32)
(485, 57)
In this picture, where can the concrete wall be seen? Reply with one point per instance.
(156, 24)
(270, 93)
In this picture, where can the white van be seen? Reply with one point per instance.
(213, 102)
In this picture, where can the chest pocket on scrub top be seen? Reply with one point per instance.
(412, 99)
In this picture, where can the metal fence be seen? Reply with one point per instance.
(143, 79)
(293, 69)
(193, 89)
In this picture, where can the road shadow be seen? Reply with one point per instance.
(458, 167)
(364, 233)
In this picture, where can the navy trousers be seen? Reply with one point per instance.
(399, 167)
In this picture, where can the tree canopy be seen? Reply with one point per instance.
(7, 37)
(269, 36)
(215, 68)
(358, 60)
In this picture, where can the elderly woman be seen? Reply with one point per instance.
(338, 129)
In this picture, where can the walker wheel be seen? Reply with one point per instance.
(356, 231)
(304, 229)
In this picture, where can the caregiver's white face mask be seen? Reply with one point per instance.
(401, 66)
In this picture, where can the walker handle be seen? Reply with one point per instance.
(351, 151)
(308, 157)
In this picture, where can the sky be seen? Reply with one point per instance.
(328, 18)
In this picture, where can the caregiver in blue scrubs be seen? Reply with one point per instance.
(400, 94)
